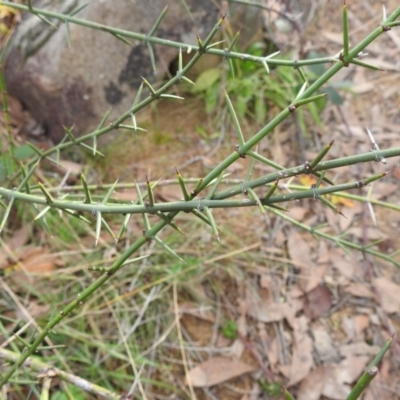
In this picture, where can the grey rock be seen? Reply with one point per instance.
(64, 86)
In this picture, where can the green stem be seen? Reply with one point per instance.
(254, 140)
(164, 42)
(302, 169)
(350, 196)
(218, 200)
(114, 268)
(369, 374)
(339, 241)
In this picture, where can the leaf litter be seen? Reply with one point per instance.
(217, 370)
(315, 321)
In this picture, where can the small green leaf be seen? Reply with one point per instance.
(76, 392)
(334, 95)
(260, 108)
(207, 79)
(229, 329)
(211, 98)
(272, 389)
(23, 152)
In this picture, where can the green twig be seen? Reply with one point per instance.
(345, 33)
(168, 43)
(369, 373)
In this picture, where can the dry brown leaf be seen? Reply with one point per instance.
(312, 386)
(308, 180)
(242, 325)
(359, 349)
(9, 251)
(217, 370)
(196, 311)
(370, 233)
(387, 246)
(361, 322)
(302, 358)
(272, 12)
(19, 238)
(266, 282)
(38, 260)
(334, 37)
(16, 111)
(285, 370)
(273, 352)
(324, 347)
(384, 189)
(265, 310)
(299, 251)
(350, 369)
(72, 167)
(335, 390)
(342, 202)
(332, 218)
(37, 309)
(389, 92)
(298, 213)
(389, 294)
(270, 312)
(364, 87)
(343, 264)
(350, 213)
(337, 386)
(323, 253)
(296, 292)
(126, 195)
(237, 349)
(353, 327)
(359, 290)
(168, 193)
(33, 261)
(222, 341)
(348, 327)
(317, 302)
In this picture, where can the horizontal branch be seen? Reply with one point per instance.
(340, 241)
(301, 169)
(165, 42)
(199, 204)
